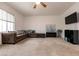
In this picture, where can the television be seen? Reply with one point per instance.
(73, 18)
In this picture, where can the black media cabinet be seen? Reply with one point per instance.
(50, 34)
(72, 36)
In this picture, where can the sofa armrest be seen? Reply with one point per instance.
(9, 37)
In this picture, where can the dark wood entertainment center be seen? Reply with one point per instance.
(72, 35)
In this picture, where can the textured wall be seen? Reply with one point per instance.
(39, 23)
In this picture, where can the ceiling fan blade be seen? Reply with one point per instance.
(34, 6)
(44, 5)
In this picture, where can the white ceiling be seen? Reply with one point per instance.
(53, 8)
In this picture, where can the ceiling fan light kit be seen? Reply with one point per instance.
(41, 3)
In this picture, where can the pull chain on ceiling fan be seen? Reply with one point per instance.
(37, 3)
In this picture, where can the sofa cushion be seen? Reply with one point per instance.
(20, 35)
(30, 31)
(18, 32)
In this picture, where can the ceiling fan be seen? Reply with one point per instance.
(41, 3)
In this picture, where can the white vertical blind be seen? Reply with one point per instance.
(0, 25)
(7, 21)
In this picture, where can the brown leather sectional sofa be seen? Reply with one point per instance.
(13, 37)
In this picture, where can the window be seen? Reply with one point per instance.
(7, 21)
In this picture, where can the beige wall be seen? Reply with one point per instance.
(19, 17)
(38, 23)
(71, 10)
